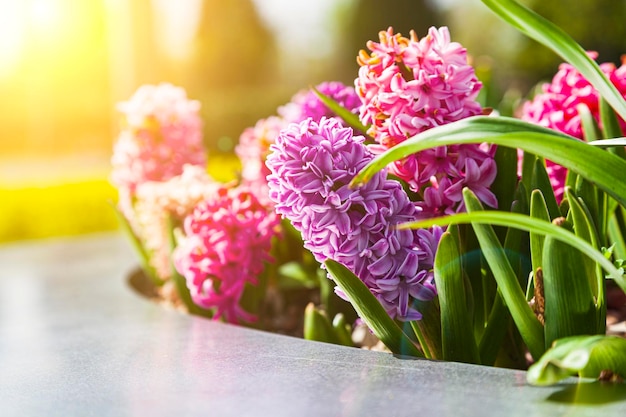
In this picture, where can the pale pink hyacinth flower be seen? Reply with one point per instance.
(161, 132)
(253, 148)
(226, 241)
(157, 201)
(409, 85)
(558, 107)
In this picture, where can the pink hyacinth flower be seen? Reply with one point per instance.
(409, 85)
(558, 107)
(227, 240)
(161, 133)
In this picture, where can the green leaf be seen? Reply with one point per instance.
(495, 330)
(538, 210)
(498, 324)
(458, 340)
(428, 329)
(505, 183)
(317, 326)
(371, 311)
(607, 143)
(616, 235)
(541, 181)
(585, 356)
(346, 115)
(606, 171)
(569, 301)
(593, 202)
(528, 166)
(591, 130)
(525, 223)
(294, 275)
(140, 249)
(343, 330)
(508, 284)
(611, 127)
(553, 37)
(585, 229)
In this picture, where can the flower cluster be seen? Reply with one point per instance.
(408, 86)
(226, 242)
(159, 167)
(312, 165)
(558, 104)
(161, 132)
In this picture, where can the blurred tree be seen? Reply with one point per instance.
(233, 47)
(365, 18)
(234, 66)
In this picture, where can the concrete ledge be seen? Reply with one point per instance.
(75, 341)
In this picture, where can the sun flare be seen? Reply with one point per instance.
(12, 35)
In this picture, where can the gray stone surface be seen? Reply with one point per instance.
(76, 341)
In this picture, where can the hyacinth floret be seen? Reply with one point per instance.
(558, 105)
(311, 167)
(161, 132)
(226, 242)
(409, 85)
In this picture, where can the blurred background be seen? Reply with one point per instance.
(65, 63)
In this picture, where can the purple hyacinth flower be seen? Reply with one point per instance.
(311, 167)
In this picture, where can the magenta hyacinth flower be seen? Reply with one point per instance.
(408, 86)
(312, 165)
(226, 242)
(557, 107)
(161, 133)
(306, 104)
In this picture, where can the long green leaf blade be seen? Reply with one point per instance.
(529, 327)
(585, 229)
(428, 329)
(606, 171)
(140, 249)
(569, 302)
(541, 181)
(553, 37)
(457, 335)
(529, 224)
(538, 210)
(371, 311)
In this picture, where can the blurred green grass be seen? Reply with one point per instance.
(72, 206)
